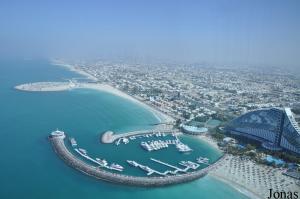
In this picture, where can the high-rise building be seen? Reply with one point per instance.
(275, 128)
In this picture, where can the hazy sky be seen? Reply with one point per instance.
(237, 32)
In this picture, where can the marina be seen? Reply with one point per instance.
(146, 134)
(147, 169)
(168, 165)
(67, 103)
(100, 162)
(166, 178)
(155, 145)
(187, 164)
(160, 131)
(152, 145)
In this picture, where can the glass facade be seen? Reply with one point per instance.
(274, 126)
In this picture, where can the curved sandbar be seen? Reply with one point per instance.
(109, 136)
(46, 86)
(62, 86)
(73, 161)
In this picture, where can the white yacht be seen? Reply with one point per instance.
(116, 167)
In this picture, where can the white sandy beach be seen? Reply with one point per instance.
(162, 117)
(239, 187)
(209, 140)
(107, 88)
(75, 69)
(61, 86)
(244, 175)
(252, 179)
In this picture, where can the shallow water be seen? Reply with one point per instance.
(30, 168)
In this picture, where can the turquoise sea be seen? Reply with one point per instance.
(31, 169)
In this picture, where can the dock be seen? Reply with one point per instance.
(166, 164)
(147, 169)
(59, 147)
(110, 137)
(95, 161)
(187, 164)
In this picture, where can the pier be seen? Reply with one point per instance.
(109, 136)
(96, 162)
(166, 164)
(147, 169)
(98, 173)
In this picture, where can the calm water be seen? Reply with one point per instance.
(30, 168)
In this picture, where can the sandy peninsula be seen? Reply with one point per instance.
(62, 86)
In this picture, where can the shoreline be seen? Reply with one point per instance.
(73, 69)
(238, 187)
(220, 173)
(252, 179)
(162, 117)
(231, 171)
(208, 140)
(63, 86)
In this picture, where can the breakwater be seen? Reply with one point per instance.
(101, 174)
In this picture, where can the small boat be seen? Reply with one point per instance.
(83, 151)
(125, 141)
(203, 160)
(146, 168)
(183, 148)
(73, 142)
(102, 162)
(133, 163)
(116, 167)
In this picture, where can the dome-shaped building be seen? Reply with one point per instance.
(276, 128)
(193, 130)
